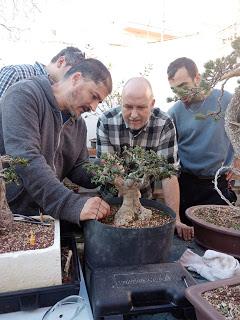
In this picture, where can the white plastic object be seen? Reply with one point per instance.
(68, 308)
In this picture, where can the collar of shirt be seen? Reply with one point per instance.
(40, 68)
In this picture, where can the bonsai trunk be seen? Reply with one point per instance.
(232, 127)
(6, 217)
(232, 122)
(131, 208)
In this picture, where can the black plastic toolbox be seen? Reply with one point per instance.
(124, 291)
(30, 299)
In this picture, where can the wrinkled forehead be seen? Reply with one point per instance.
(102, 90)
(137, 94)
(136, 99)
(180, 78)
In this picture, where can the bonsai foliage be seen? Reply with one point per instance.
(128, 173)
(7, 174)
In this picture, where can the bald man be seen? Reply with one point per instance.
(138, 123)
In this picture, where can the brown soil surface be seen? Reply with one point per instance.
(222, 216)
(226, 300)
(19, 237)
(159, 218)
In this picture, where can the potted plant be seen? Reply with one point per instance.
(136, 235)
(217, 300)
(216, 227)
(31, 268)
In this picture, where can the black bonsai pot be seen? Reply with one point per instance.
(110, 246)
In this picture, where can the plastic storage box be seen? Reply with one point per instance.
(29, 299)
(153, 288)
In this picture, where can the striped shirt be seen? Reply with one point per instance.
(13, 73)
(158, 135)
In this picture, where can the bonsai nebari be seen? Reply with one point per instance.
(7, 174)
(129, 173)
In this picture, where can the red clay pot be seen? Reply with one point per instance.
(203, 309)
(214, 237)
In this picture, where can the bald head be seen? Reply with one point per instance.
(137, 102)
(138, 87)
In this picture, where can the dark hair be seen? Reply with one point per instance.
(187, 63)
(72, 56)
(92, 69)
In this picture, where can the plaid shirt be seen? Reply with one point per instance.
(13, 73)
(158, 135)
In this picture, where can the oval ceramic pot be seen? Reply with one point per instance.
(203, 309)
(214, 237)
(110, 246)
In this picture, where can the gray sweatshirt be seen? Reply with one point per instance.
(31, 127)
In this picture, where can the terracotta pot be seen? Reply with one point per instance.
(204, 310)
(214, 237)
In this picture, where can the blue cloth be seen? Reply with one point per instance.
(203, 145)
(65, 116)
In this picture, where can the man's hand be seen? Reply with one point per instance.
(95, 208)
(184, 231)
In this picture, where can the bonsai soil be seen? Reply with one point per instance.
(159, 218)
(224, 216)
(19, 238)
(225, 300)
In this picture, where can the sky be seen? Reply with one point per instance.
(178, 17)
(97, 28)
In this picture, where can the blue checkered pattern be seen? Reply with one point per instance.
(13, 73)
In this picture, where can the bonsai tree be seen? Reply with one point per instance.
(7, 174)
(221, 70)
(128, 173)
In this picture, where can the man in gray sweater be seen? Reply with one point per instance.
(42, 123)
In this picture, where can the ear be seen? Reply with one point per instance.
(197, 79)
(61, 62)
(152, 103)
(76, 77)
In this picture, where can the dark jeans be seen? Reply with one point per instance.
(195, 191)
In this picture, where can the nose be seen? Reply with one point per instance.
(134, 113)
(94, 105)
